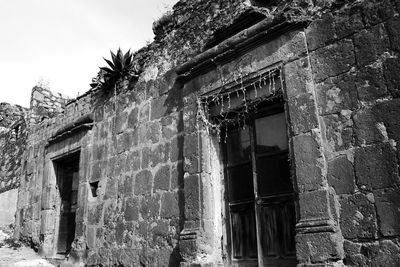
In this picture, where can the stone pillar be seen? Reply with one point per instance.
(200, 240)
(318, 237)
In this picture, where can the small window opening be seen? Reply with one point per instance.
(93, 188)
(16, 131)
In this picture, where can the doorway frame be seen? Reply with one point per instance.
(76, 153)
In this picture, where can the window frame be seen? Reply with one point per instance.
(264, 109)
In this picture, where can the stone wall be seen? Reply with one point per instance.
(13, 134)
(355, 61)
(45, 104)
(160, 197)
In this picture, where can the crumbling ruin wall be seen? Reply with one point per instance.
(159, 198)
(13, 134)
(45, 104)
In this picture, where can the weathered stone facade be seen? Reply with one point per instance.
(151, 177)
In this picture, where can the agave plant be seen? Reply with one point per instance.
(120, 67)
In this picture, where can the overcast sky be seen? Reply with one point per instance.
(64, 42)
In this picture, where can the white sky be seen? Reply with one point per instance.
(64, 42)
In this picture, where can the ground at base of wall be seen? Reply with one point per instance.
(13, 255)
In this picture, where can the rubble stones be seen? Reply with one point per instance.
(357, 217)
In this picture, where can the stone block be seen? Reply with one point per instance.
(169, 205)
(99, 237)
(319, 247)
(303, 113)
(111, 188)
(365, 127)
(111, 212)
(376, 166)
(144, 112)
(391, 68)
(162, 178)
(338, 131)
(143, 182)
(132, 161)
(149, 132)
(110, 166)
(49, 196)
(387, 254)
(126, 185)
(336, 94)
(369, 44)
(150, 206)
(192, 198)
(121, 122)
(133, 118)
(314, 205)
(48, 221)
(320, 32)
(91, 237)
(126, 140)
(298, 78)
(99, 152)
(119, 164)
(131, 209)
(191, 152)
(341, 175)
(159, 155)
(146, 157)
(353, 256)
(348, 21)
(170, 126)
(308, 162)
(159, 107)
(387, 205)
(370, 84)
(189, 116)
(332, 60)
(388, 113)
(160, 229)
(357, 217)
(97, 171)
(119, 232)
(95, 213)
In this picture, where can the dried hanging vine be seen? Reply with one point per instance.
(250, 94)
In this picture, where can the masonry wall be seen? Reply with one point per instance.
(160, 195)
(355, 61)
(12, 144)
(13, 134)
(45, 104)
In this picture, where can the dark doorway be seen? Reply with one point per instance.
(67, 170)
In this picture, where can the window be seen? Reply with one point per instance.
(249, 116)
(260, 198)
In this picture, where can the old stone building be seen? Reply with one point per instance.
(258, 133)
